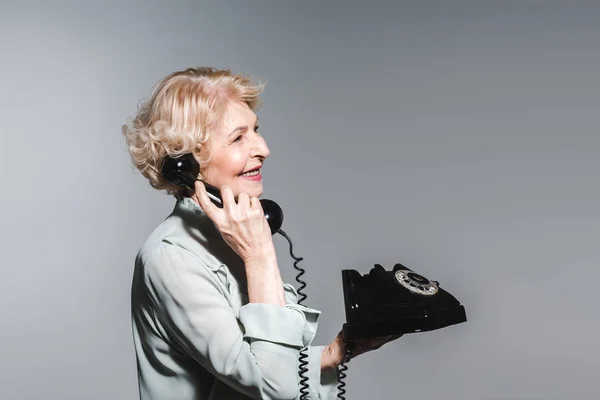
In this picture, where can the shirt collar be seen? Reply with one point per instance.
(201, 228)
(189, 210)
(189, 205)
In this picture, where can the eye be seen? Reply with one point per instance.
(256, 128)
(238, 138)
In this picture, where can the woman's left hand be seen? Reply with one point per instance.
(334, 353)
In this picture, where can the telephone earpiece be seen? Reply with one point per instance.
(184, 171)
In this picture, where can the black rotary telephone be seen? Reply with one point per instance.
(379, 303)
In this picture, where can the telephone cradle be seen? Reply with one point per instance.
(399, 301)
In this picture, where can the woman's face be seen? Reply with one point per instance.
(237, 148)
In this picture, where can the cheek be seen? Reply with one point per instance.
(237, 162)
(226, 165)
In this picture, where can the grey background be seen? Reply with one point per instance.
(459, 138)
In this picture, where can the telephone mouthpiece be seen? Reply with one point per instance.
(273, 213)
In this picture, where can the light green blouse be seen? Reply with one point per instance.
(196, 336)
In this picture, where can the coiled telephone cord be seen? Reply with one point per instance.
(303, 352)
(343, 369)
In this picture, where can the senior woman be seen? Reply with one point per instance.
(211, 316)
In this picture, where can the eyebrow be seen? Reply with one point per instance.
(242, 128)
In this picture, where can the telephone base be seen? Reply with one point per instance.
(405, 325)
(394, 302)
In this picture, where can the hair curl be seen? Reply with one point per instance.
(183, 110)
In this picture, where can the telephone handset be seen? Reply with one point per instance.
(379, 303)
(184, 171)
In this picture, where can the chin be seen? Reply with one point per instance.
(252, 189)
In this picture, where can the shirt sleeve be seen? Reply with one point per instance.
(323, 385)
(256, 355)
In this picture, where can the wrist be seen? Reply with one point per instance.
(264, 280)
(263, 257)
(328, 358)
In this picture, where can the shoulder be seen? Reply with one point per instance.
(171, 264)
(175, 245)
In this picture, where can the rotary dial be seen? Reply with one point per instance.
(416, 283)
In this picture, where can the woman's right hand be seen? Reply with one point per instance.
(333, 355)
(242, 225)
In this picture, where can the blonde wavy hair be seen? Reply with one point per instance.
(184, 109)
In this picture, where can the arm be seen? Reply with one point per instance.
(258, 358)
(264, 280)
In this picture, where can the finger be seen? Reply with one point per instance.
(256, 207)
(228, 199)
(255, 203)
(392, 338)
(244, 203)
(207, 206)
(368, 344)
(377, 342)
(385, 338)
(388, 339)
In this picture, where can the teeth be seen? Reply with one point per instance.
(252, 173)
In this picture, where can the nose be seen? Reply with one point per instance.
(260, 148)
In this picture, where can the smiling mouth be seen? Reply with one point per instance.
(251, 173)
